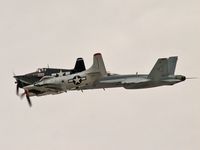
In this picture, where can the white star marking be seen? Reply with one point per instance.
(77, 80)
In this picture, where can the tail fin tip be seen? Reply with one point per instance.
(96, 54)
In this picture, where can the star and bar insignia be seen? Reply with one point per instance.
(77, 80)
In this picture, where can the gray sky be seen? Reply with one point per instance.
(131, 35)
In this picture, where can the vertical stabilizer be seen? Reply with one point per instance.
(98, 65)
(159, 70)
(163, 67)
(172, 65)
(80, 65)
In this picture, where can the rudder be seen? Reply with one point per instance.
(172, 64)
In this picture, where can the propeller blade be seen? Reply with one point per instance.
(17, 89)
(28, 98)
(22, 95)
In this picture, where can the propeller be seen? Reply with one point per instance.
(18, 85)
(29, 100)
(27, 97)
(17, 89)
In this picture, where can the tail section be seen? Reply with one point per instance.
(98, 65)
(79, 66)
(172, 64)
(163, 67)
(159, 70)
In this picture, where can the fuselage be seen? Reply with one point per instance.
(137, 81)
(84, 81)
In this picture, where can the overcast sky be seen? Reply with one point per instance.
(131, 35)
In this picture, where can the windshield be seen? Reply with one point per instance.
(40, 70)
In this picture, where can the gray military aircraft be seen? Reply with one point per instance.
(96, 77)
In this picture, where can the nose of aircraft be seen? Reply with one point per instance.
(19, 84)
(27, 79)
(20, 77)
(18, 81)
(16, 77)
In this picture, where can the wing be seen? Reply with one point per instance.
(43, 90)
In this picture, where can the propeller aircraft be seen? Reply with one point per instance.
(40, 73)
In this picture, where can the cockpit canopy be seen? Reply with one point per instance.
(41, 70)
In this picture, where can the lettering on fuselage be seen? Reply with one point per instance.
(77, 80)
